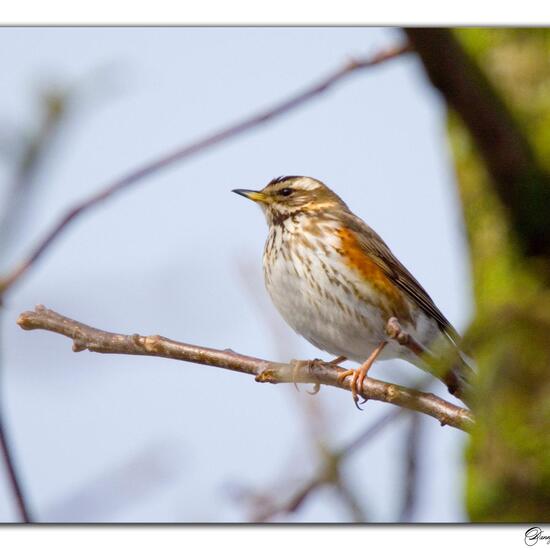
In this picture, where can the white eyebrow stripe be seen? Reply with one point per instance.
(307, 184)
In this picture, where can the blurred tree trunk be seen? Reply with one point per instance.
(506, 204)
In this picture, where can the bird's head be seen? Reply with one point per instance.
(292, 195)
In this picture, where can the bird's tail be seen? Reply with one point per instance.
(458, 379)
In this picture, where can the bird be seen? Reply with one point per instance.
(336, 283)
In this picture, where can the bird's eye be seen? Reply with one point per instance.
(286, 191)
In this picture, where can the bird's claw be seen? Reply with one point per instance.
(316, 389)
(357, 403)
(356, 384)
(357, 387)
(298, 364)
(295, 367)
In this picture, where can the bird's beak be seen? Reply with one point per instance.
(255, 196)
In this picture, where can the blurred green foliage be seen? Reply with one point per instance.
(508, 473)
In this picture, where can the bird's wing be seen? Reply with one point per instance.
(378, 251)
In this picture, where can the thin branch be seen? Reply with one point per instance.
(55, 105)
(349, 498)
(14, 479)
(86, 337)
(188, 151)
(294, 502)
(411, 486)
(369, 433)
(13, 476)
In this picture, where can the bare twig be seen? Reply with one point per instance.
(54, 106)
(13, 477)
(369, 433)
(410, 487)
(349, 498)
(86, 337)
(199, 146)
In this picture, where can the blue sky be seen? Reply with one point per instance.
(180, 255)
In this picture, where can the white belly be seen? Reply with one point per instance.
(317, 296)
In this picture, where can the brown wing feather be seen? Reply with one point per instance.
(397, 273)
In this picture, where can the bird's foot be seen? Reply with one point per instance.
(358, 376)
(298, 364)
(356, 385)
(354, 373)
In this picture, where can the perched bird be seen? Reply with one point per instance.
(336, 283)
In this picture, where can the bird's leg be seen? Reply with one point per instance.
(395, 332)
(360, 374)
